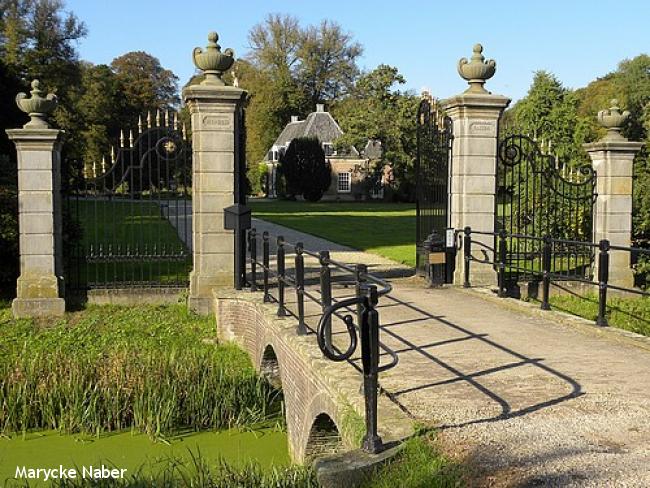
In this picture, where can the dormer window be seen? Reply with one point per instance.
(328, 149)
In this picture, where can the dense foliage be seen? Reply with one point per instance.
(305, 170)
(113, 368)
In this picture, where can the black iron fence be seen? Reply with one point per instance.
(317, 287)
(554, 263)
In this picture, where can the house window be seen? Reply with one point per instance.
(344, 182)
(328, 149)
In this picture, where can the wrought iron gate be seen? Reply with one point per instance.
(537, 196)
(434, 137)
(129, 218)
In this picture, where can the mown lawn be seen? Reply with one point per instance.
(132, 241)
(631, 313)
(387, 229)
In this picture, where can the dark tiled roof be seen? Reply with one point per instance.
(290, 132)
(317, 124)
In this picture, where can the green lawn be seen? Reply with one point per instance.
(387, 229)
(631, 313)
(138, 242)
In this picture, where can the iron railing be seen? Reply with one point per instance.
(364, 303)
(552, 264)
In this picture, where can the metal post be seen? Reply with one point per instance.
(502, 263)
(546, 272)
(370, 360)
(239, 281)
(603, 277)
(265, 265)
(467, 253)
(253, 250)
(360, 269)
(326, 292)
(282, 311)
(300, 288)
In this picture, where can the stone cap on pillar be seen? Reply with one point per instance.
(214, 64)
(37, 106)
(476, 71)
(613, 119)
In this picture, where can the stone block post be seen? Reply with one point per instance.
(40, 288)
(216, 111)
(612, 158)
(475, 115)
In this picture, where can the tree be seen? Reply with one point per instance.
(305, 170)
(328, 57)
(288, 70)
(376, 110)
(147, 86)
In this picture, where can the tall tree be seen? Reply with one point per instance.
(146, 84)
(328, 62)
(377, 110)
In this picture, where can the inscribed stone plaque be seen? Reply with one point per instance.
(484, 127)
(217, 122)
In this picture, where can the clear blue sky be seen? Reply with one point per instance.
(575, 39)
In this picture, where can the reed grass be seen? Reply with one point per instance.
(113, 368)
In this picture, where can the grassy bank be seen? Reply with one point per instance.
(387, 229)
(631, 314)
(113, 368)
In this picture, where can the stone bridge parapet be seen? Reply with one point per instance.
(323, 401)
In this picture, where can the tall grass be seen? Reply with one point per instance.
(115, 368)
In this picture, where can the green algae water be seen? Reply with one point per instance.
(265, 446)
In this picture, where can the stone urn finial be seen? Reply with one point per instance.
(212, 61)
(37, 107)
(476, 71)
(612, 119)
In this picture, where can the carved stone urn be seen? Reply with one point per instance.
(612, 119)
(37, 107)
(476, 71)
(212, 61)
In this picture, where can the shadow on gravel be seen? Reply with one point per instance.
(473, 378)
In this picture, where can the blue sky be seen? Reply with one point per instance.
(577, 40)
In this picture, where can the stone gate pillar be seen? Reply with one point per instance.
(40, 288)
(475, 114)
(216, 113)
(613, 160)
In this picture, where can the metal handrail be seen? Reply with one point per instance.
(546, 273)
(365, 300)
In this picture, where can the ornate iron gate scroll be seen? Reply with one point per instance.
(434, 137)
(537, 196)
(131, 217)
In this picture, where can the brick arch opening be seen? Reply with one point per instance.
(270, 367)
(324, 437)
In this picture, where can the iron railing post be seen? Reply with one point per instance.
(252, 235)
(300, 288)
(546, 272)
(326, 292)
(603, 277)
(502, 263)
(239, 270)
(359, 271)
(370, 360)
(467, 254)
(282, 311)
(265, 265)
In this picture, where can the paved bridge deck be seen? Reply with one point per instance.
(527, 400)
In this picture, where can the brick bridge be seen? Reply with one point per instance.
(323, 400)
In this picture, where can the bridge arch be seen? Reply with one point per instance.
(323, 437)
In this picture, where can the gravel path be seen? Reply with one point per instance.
(527, 401)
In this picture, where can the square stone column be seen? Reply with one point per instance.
(613, 161)
(475, 118)
(40, 288)
(215, 113)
